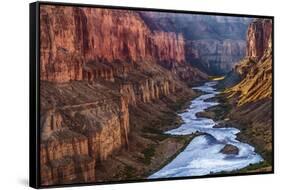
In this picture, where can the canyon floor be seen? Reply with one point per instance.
(255, 128)
(149, 148)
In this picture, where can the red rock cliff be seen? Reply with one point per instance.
(99, 63)
(77, 134)
(72, 37)
(168, 46)
(258, 36)
(256, 68)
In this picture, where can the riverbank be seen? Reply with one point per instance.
(215, 150)
(252, 131)
(149, 149)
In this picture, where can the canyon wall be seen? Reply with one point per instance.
(213, 43)
(82, 124)
(77, 135)
(94, 64)
(251, 96)
(169, 47)
(258, 38)
(73, 40)
(215, 56)
(256, 69)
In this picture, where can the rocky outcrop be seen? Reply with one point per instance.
(85, 43)
(67, 170)
(229, 149)
(146, 87)
(76, 136)
(256, 69)
(149, 90)
(258, 36)
(190, 74)
(251, 97)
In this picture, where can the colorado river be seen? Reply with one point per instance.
(202, 156)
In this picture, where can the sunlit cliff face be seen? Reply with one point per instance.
(71, 37)
(256, 68)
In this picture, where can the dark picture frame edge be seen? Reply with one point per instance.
(34, 93)
(34, 125)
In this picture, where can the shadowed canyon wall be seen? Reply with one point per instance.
(215, 57)
(213, 43)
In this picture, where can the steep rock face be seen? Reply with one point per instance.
(147, 86)
(213, 43)
(249, 90)
(68, 170)
(78, 132)
(95, 63)
(149, 90)
(256, 68)
(76, 135)
(169, 47)
(215, 56)
(60, 59)
(74, 39)
(258, 37)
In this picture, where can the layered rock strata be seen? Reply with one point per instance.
(75, 39)
(95, 64)
(259, 40)
(213, 43)
(256, 69)
(76, 136)
(252, 95)
(215, 56)
(83, 124)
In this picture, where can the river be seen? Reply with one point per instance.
(202, 155)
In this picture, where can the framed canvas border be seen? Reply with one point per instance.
(34, 92)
